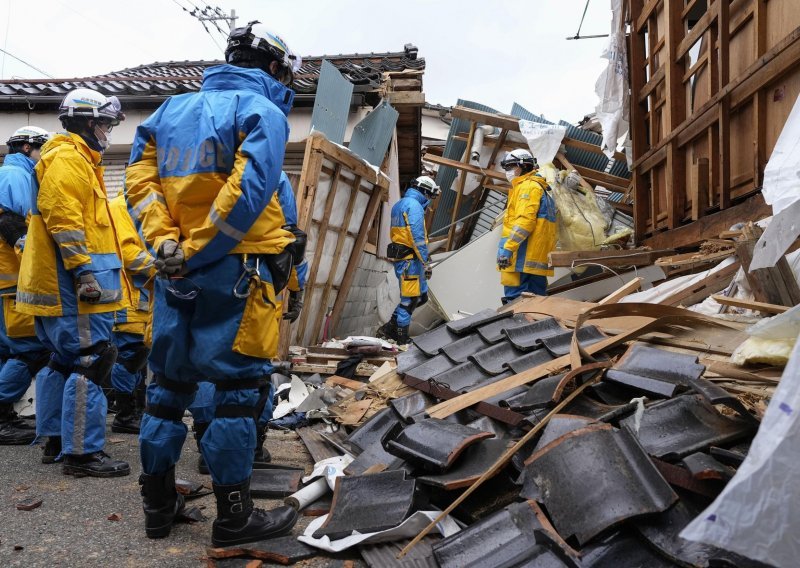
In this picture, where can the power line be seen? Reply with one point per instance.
(5, 44)
(48, 75)
(585, 8)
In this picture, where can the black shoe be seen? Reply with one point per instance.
(200, 429)
(262, 455)
(51, 449)
(239, 522)
(14, 431)
(401, 338)
(98, 464)
(126, 421)
(387, 330)
(161, 503)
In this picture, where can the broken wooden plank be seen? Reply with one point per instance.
(701, 290)
(343, 382)
(690, 259)
(750, 304)
(774, 285)
(283, 550)
(622, 291)
(610, 258)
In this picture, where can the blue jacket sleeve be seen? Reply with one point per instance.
(247, 191)
(416, 221)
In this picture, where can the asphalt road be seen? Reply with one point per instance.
(72, 528)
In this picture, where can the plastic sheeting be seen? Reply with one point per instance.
(771, 340)
(612, 85)
(581, 224)
(544, 140)
(756, 515)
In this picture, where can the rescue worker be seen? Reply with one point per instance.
(409, 252)
(71, 279)
(202, 408)
(130, 323)
(201, 180)
(22, 353)
(529, 228)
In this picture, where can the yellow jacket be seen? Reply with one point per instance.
(529, 225)
(70, 231)
(138, 265)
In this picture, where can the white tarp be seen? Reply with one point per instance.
(612, 85)
(544, 140)
(782, 191)
(756, 515)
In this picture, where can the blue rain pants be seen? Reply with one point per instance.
(533, 283)
(413, 289)
(202, 408)
(81, 409)
(195, 326)
(128, 347)
(17, 353)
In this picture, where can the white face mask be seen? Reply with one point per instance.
(511, 174)
(103, 138)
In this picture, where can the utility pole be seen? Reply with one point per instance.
(209, 14)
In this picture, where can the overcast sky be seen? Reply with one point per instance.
(494, 53)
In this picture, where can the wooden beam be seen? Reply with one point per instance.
(644, 14)
(750, 304)
(712, 225)
(602, 178)
(699, 188)
(724, 120)
(774, 285)
(355, 257)
(699, 291)
(469, 168)
(697, 31)
(406, 98)
(639, 138)
(462, 180)
(622, 291)
(350, 160)
(655, 80)
(611, 258)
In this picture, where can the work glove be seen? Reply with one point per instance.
(503, 258)
(428, 271)
(295, 305)
(89, 290)
(169, 259)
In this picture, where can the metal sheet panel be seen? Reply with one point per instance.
(332, 103)
(371, 137)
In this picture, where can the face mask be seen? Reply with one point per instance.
(103, 138)
(511, 174)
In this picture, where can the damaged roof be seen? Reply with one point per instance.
(162, 79)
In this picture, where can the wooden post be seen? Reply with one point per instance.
(723, 44)
(461, 181)
(675, 109)
(355, 256)
(699, 188)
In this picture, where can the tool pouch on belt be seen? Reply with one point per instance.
(396, 251)
(258, 333)
(280, 267)
(17, 324)
(409, 285)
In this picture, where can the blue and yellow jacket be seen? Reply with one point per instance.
(288, 204)
(70, 231)
(204, 167)
(408, 224)
(17, 185)
(138, 264)
(529, 225)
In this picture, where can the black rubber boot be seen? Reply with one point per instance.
(98, 464)
(239, 522)
(262, 455)
(51, 449)
(200, 429)
(388, 330)
(161, 503)
(14, 431)
(402, 335)
(126, 421)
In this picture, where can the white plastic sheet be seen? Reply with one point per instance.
(330, 469)
(409, 528)
(544, 140)
(612, 85)
(756, 515)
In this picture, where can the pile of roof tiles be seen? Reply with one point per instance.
(610, 481)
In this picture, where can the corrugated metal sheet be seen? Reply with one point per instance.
(454, 150)
(372, 136)
(332, 103)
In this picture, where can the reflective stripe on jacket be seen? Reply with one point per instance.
(529, 225)
(204, 167)
(70, 232)
(138, 265)
(408, 224)
(17, 181)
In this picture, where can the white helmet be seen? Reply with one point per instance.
(91, 104)
(518, 158)
(256, 37)
(427, 186)
(29, 135)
